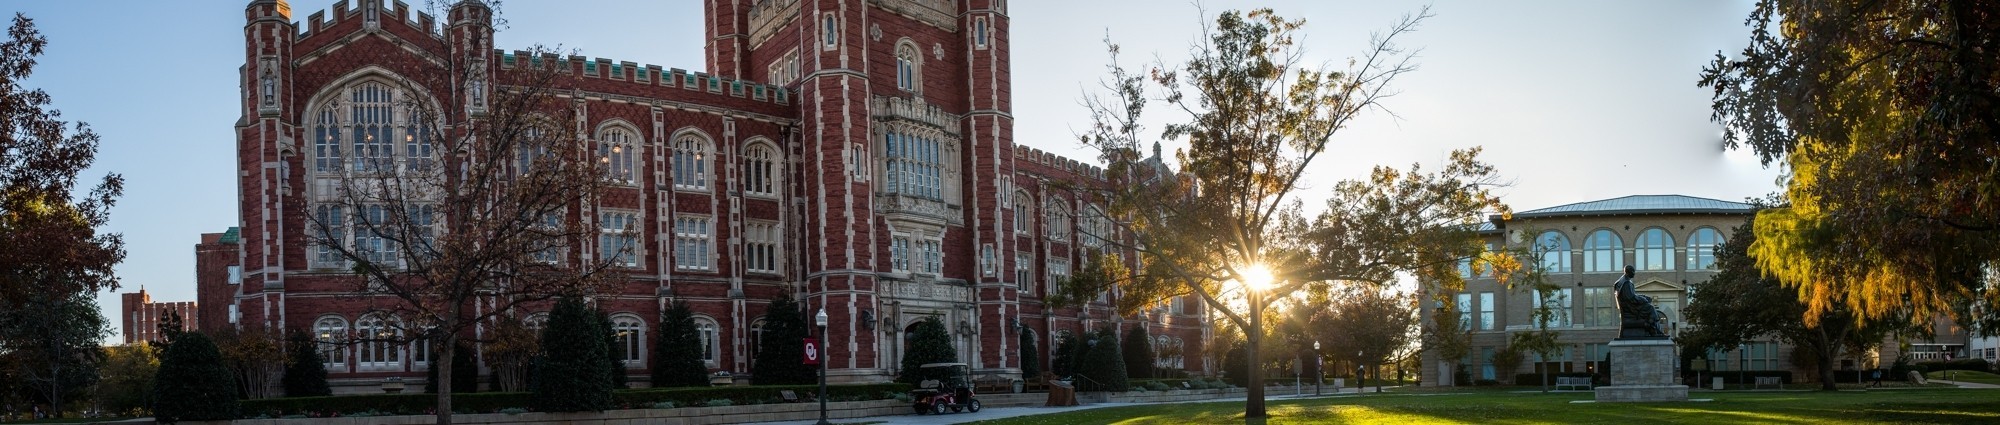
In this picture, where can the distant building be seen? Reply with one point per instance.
(217, 275)
(141, 317)
(1671, 239)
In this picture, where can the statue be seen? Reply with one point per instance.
(1638, 317)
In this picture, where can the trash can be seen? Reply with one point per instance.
(1715, 383)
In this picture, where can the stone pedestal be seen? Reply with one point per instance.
(1642, 370)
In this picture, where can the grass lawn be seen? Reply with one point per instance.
(1902, 406)
(1966, 376)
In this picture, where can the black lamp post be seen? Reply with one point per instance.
(820, 319)
(1319, 371)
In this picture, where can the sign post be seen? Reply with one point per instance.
(812, 351)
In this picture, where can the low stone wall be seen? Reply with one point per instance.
(1171, 396)
(679, 416)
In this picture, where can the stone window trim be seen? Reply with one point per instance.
(763, 169)
(909, 66)
(1603, 252)
(981, 33)
(629, 330)
(707, 330)
(1654, 250)
(619, 230)
(692, 161)
(763, 246)
(330, 333)
(829, 38)
(694, 242)
(618, 150)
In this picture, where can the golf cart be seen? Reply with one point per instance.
(951, 389)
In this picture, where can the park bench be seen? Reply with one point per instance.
(1573, 382)
(1773, 381)
(993, 384)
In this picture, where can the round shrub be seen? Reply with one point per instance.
(193, 384)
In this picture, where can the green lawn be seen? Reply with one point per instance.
(1966, 376)
(1910, 406)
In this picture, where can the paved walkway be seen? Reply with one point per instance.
(1963, 384)
(1009, 412)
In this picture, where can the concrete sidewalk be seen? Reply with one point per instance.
(1009, 412)
(1963, 384)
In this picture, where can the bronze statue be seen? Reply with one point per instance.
(1638, 317)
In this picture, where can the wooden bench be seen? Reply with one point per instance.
(1773, 381)
(1573, 382)
(992, 384)
(1038, 384)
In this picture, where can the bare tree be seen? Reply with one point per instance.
(474, 200)
(1229, 226)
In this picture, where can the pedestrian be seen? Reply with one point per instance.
(1878, 377)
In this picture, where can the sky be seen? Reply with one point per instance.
(1572, 100)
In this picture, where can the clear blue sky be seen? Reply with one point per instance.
(1573, 100)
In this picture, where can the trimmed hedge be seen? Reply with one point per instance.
(419, 404)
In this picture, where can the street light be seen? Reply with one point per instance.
(1319, 370)
(820, 319)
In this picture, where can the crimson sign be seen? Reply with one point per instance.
(812, 351)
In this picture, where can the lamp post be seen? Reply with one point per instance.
(1319, 370)
(820, 319)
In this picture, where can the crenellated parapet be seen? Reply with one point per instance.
(372, 12)
(650, 75)
(1058, 162)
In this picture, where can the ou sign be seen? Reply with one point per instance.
(812, 351)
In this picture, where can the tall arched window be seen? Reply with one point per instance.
(1024, 213)
(381, 342)
(1656, 250)
(331, 334)
(327, 156)
(1701, 248)
(908, 62)
(691, 162)
(756, 340)
(1603, 251)
(1058, 220)
(616, 153)
(704, 328)
(372, 117)
(1553, 246)
(914, 165)
(760, 170)
(1095, 226)
(631, 334)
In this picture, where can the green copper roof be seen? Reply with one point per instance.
(233, 236)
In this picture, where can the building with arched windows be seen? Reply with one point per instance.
(1669, 239)
(868, 170)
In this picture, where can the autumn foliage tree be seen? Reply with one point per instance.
(1257, 114)
(1887, 117)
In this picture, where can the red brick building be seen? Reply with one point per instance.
(140, 316)
(215, 275)
(857, 154)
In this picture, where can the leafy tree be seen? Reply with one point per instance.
(54, 345)
(305, 370)
(126, 383)
(1532, 277)
(1885, 115)
(781, 350)
(1236, 366)
(491, 219)
(509, 352)
(193, 383)
(929, 343)
(1031, 355)
(1742, 304)
(464, 374)
(40, 158)
(1257, 117)
(1375, 323)
(614, 364)
(1103, 364)
(1507, 361)
(571, 376)
(254, 357)
(1069, 348)
(1138, 353)
(677, 354)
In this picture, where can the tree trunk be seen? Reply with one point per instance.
(1826, 370)
(449, 342)
(1253, 402)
